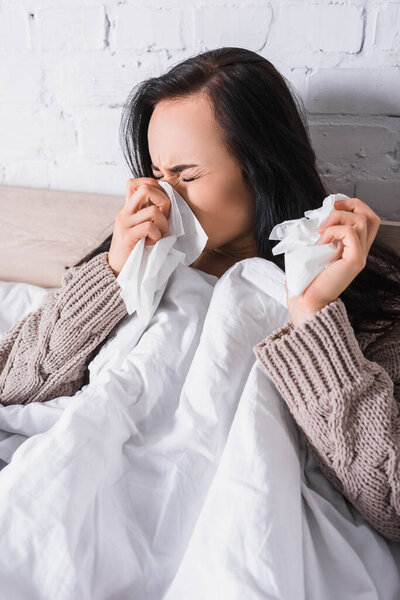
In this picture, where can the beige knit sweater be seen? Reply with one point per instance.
(45, 355)
(343, 391)
(344, 394)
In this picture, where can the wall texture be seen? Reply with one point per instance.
(67, 66)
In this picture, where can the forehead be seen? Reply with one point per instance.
(182, 131)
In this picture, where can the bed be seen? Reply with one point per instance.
(178, 471)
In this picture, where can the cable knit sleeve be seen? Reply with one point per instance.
(346, 406)
(45, 355)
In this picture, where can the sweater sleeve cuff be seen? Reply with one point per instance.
(319, 355)
(91, 292)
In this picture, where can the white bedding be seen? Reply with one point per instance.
(178, 472)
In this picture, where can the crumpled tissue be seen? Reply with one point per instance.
(304, 259)
(145, 274)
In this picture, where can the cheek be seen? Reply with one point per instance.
(208, 206)
(224, 212)
(225, 219)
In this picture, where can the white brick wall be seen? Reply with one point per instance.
(67, 66)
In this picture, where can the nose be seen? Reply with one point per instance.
(166, 177)
(173, 181)
(175, 185)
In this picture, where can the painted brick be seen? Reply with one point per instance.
(354, 91)
(20, 80)
(321, 27)
(98, 135)
(68, 29)
(223, 26)
(382, 196)
(95, 80)
(387, 35)
(14, 30)
(67, 67)
(28, 135)
(367, 150)
(148, 29)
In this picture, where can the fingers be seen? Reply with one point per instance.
(353, 251)
(356, 206)
(147, 230)
(152, 214)
(135, 182)
(144, 191)
(143, 216)
(358, 221)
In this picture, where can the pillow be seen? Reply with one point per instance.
(42, 231)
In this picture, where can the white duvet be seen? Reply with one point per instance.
(178, 473)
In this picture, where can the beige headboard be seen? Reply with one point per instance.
(389, 235)
(42, 231)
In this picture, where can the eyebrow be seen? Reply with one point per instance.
(176, 168)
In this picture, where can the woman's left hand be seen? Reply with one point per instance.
(353, 227)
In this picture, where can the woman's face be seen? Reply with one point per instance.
(183, 132)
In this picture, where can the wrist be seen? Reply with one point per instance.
(299, 315)
(108, 262)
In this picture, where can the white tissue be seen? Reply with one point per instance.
(145, 274)
(303, 258)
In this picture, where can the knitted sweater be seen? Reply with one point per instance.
(45, 355)
(343, 391)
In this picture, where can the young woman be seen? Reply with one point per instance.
(225, 130)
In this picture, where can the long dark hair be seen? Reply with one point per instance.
(265, 127)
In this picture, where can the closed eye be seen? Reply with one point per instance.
(185, 180)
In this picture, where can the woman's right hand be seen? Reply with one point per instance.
(144, 214)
